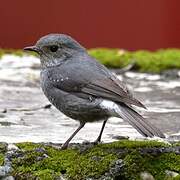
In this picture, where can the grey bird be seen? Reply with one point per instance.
(83, 89)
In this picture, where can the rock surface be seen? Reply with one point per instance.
(127, 160)
(25, 114)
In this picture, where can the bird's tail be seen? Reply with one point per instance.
(138, 122)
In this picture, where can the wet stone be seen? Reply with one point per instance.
(146, 176)
(116, 169)
(120, 137)
(2, 116)
(171, 174)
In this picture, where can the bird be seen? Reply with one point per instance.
(84, 89)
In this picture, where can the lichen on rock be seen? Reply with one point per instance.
(117, 160)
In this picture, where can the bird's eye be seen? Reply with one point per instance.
(53, 48)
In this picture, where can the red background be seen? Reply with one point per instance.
(129, 24)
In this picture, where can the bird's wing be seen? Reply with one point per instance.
(113, 89)
(106, 86)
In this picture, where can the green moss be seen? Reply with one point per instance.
(136, 163)
(114, 58)
(72, 162)
(1, 159)
(17, 52)
(28, 146)
(45, 162)
(133, 144)
(175, 178)
(145, 61)
(3, 147)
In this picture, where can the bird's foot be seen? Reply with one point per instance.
(97, 141)
(64, 146)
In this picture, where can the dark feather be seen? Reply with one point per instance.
(139, 123)
(112, 90)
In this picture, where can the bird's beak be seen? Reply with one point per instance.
(32, 48)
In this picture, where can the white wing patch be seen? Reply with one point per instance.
(111, 107)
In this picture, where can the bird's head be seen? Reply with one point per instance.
(54, 48)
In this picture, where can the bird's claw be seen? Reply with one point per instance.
(64, 146)
(96, 142)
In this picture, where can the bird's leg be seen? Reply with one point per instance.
(98, 140)
(65, 145)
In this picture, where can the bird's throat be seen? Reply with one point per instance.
(52, 62)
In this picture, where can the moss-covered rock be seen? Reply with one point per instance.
(1, 159)
(145, 61)
(3, 149)
(118, 160)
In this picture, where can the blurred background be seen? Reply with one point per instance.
(127, 24)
